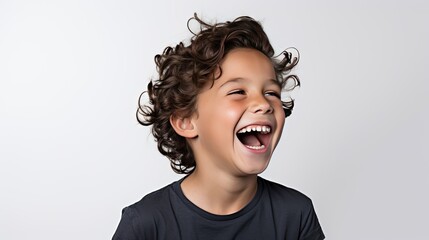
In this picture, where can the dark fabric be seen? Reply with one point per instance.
(276, 212)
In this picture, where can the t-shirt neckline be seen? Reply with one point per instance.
(215, 217)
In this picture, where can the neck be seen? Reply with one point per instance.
(219, 194)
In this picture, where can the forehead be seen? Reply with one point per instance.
(247, 63)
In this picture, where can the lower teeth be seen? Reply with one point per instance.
(256, 147)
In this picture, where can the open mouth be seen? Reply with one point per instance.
(255, 137)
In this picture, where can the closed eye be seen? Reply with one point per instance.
(275, 94)
(240, 92)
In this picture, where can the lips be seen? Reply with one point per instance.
(255, 136)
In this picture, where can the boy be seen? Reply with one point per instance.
(217, 115)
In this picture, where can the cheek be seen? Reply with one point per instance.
(281, 124)
(279, 115)
(278, 110)
(281, 119)
(231, 113)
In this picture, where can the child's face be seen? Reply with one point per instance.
(240, 118)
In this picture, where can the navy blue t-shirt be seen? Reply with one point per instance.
(276, 212)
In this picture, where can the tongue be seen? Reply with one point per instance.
(250, 140)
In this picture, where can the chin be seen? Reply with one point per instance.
(255, 169)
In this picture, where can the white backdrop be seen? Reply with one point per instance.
(72, 154)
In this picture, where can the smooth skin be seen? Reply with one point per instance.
(246, 94)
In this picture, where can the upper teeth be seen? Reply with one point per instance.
(262, 129)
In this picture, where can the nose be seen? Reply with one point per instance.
(260, 104)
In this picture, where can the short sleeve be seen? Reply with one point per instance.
(310, 227)
(136, 223)
(126, 227)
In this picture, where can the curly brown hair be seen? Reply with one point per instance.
(184, 70)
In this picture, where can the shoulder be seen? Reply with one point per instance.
(291, 207)
(141, 219)
(287, 201)
(151, 204)
(154, 198)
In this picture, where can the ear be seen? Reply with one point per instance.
(185, 127)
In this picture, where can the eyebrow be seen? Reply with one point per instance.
(233, 80)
